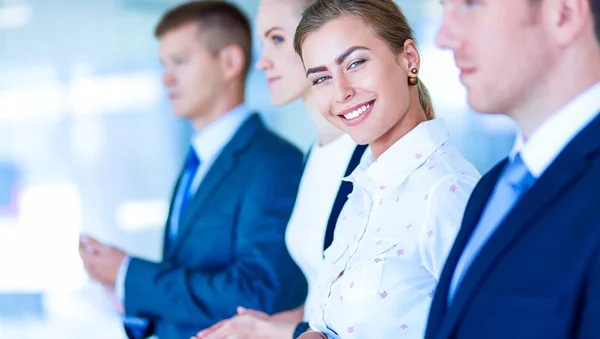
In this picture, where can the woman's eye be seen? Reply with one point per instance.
(277, 39)
(319, 80)
(356, 63)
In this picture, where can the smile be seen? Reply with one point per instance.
(358, 114)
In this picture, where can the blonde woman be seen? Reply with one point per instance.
(410, 189)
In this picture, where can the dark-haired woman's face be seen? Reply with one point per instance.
(359, 84)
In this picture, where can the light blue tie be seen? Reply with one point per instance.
(514, 182)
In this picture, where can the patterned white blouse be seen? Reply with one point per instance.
(393, 237)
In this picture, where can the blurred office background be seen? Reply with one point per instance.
(88, 144)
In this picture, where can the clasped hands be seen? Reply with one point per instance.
(251, 324)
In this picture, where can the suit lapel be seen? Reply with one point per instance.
(475, 206)
(479, 201)
(566, 169)
(219, 170)
(166, 238)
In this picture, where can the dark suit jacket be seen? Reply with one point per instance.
(230, 249)
(539, 274)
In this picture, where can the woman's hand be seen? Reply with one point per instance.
(292, 316)
(248, 325)
(257, 314)
(313, 335)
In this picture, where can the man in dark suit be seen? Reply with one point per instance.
(526, 263)
(224, 243)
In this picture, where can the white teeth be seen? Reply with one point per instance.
(357, 112)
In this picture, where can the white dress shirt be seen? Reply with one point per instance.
(208, 144)
(550, 138)
(392, 239)
(305, 234)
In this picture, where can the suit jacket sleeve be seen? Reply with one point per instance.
(590, 326)
(253, 278)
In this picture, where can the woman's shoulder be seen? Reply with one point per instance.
(448, 161)
(445, 167)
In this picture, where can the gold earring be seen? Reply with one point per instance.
(413, 81)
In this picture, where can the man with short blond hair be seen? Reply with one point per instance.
(224, 241)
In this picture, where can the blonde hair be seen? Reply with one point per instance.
(383, 16)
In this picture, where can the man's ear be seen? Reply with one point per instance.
(232, 60)
(566, 19)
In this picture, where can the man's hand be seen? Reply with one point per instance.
(112, 298)
(102, 262)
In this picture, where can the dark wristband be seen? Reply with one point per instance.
(300, 329)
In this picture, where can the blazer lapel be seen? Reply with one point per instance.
(478, 203)
(563, 172)
(475, 206)
(219, 170)
(166, 238)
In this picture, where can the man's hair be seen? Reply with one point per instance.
(220, 23)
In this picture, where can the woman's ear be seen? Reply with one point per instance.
(409, 58)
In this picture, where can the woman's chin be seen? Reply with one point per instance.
(360, 138)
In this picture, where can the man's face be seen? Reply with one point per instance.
(192, 74)
(501, 49)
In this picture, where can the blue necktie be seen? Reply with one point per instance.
(138, 326)
(183, 192)
(514, 182)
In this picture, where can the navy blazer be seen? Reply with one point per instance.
(539, 274)
(230, 248)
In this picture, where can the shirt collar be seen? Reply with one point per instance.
(548, 140)
(402, 158)
(209, 141)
